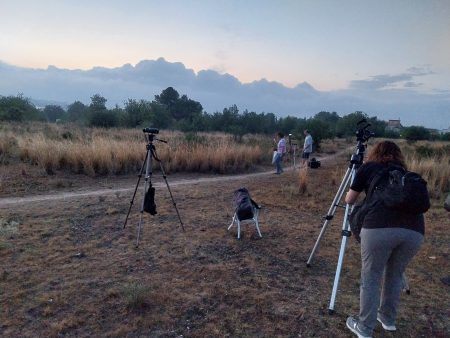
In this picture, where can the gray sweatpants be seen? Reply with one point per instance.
(385, 253)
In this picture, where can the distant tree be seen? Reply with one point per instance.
(378, 127)
(415, 133)
(99, 116)
(104, 119)
(77, 111)
(269, 123)
(185, 108)
(348, 124)
(160, 116)
(136, 112)
(18, 108)
(327, 117)
(98, 103)
(54, 112)
(168, 97)
(288, 124)
(250, 122)
(330, 119)
(445, 137)
(119, 116)
(318, 128)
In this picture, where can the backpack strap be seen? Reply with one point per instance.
(374, 183)
(256, 205)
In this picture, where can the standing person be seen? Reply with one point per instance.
(281, 150)
(307, 147)
(389, 240)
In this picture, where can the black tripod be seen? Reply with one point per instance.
(150, 155)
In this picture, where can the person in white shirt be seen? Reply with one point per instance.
(281, 150)
(307, 147)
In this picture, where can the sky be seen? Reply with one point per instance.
(332, 45)
(388, 58)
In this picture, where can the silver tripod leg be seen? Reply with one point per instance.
(345, 234)
(148, 174)
(331, 212)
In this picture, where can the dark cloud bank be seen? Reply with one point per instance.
(377, 96)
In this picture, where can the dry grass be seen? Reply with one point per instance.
(303, 179)
(94, 152)
(432, 161)
(436, 171)
(70, 270)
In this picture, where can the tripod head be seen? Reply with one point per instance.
(150, 135)
(363, 134)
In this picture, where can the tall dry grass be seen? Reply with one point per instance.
(94, 151)
(435, 170)
(303, 180)
(432, 161)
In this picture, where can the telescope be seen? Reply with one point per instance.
(151, 130)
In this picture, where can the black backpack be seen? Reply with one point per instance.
(314, 164)
(402, 190)
(395, 188)
(243, 204)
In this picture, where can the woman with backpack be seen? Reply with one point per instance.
(390, 238)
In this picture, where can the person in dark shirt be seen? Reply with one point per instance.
(389, 240)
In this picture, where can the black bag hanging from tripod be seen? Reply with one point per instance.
(149, 201)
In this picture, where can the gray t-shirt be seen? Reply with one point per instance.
(307, 148)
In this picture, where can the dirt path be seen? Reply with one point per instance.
(9, 201)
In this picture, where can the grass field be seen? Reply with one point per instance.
(70, 270)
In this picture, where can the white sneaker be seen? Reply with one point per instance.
(386, 326)
(352, 324)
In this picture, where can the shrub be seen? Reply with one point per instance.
(135, 295)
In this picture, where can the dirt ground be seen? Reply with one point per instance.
(69, 269)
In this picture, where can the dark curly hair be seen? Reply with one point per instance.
(386, 151)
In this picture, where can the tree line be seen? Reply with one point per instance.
(169, 110)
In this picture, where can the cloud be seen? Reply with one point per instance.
(215, 91)
(411, 84)
(389, 81)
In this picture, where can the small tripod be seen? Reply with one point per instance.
(362, 135)
(150, 155)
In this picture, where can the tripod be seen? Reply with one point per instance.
(147, 164)
(356, 160)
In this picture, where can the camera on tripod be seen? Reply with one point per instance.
(151, 130)
(363, 134)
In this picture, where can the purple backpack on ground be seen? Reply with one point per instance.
(243, 204)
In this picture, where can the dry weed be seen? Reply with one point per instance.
(93, 151)
(303, 180)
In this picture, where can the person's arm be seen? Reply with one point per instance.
(357, 185)
(351, 196)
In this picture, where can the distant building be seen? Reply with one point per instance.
(394, 125)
